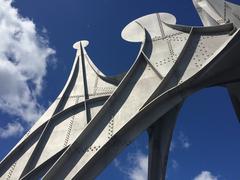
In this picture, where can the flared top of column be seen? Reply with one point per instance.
(134, 31)
(77, 45)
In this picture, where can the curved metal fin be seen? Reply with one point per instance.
(213, 12)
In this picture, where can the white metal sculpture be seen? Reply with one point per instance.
(96, 116)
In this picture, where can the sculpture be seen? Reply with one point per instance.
(96, 116)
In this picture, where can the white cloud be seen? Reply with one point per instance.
(174, 164)
(139, 171)
(180, 141)
(184, 141)
(172, 146)
(24, 55)
(12, 129)
(205, 175)
(122, 168)
(116, 163)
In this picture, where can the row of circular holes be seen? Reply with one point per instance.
(68, 131)
(197, 64)
(164, 61)
(70, 126)
(11, 171)
(156, 38)
(110, 134)
(203, 52)
(94, 148)
(110, 129)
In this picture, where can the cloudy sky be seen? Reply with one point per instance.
(36, 55)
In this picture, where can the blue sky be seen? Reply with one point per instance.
(206, 140)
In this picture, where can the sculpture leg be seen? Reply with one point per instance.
(160, 136)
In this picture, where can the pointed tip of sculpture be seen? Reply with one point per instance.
(78, 44)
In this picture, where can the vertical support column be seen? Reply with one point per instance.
(85, 85)
(160, 136)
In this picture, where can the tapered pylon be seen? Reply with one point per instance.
(84, 94)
